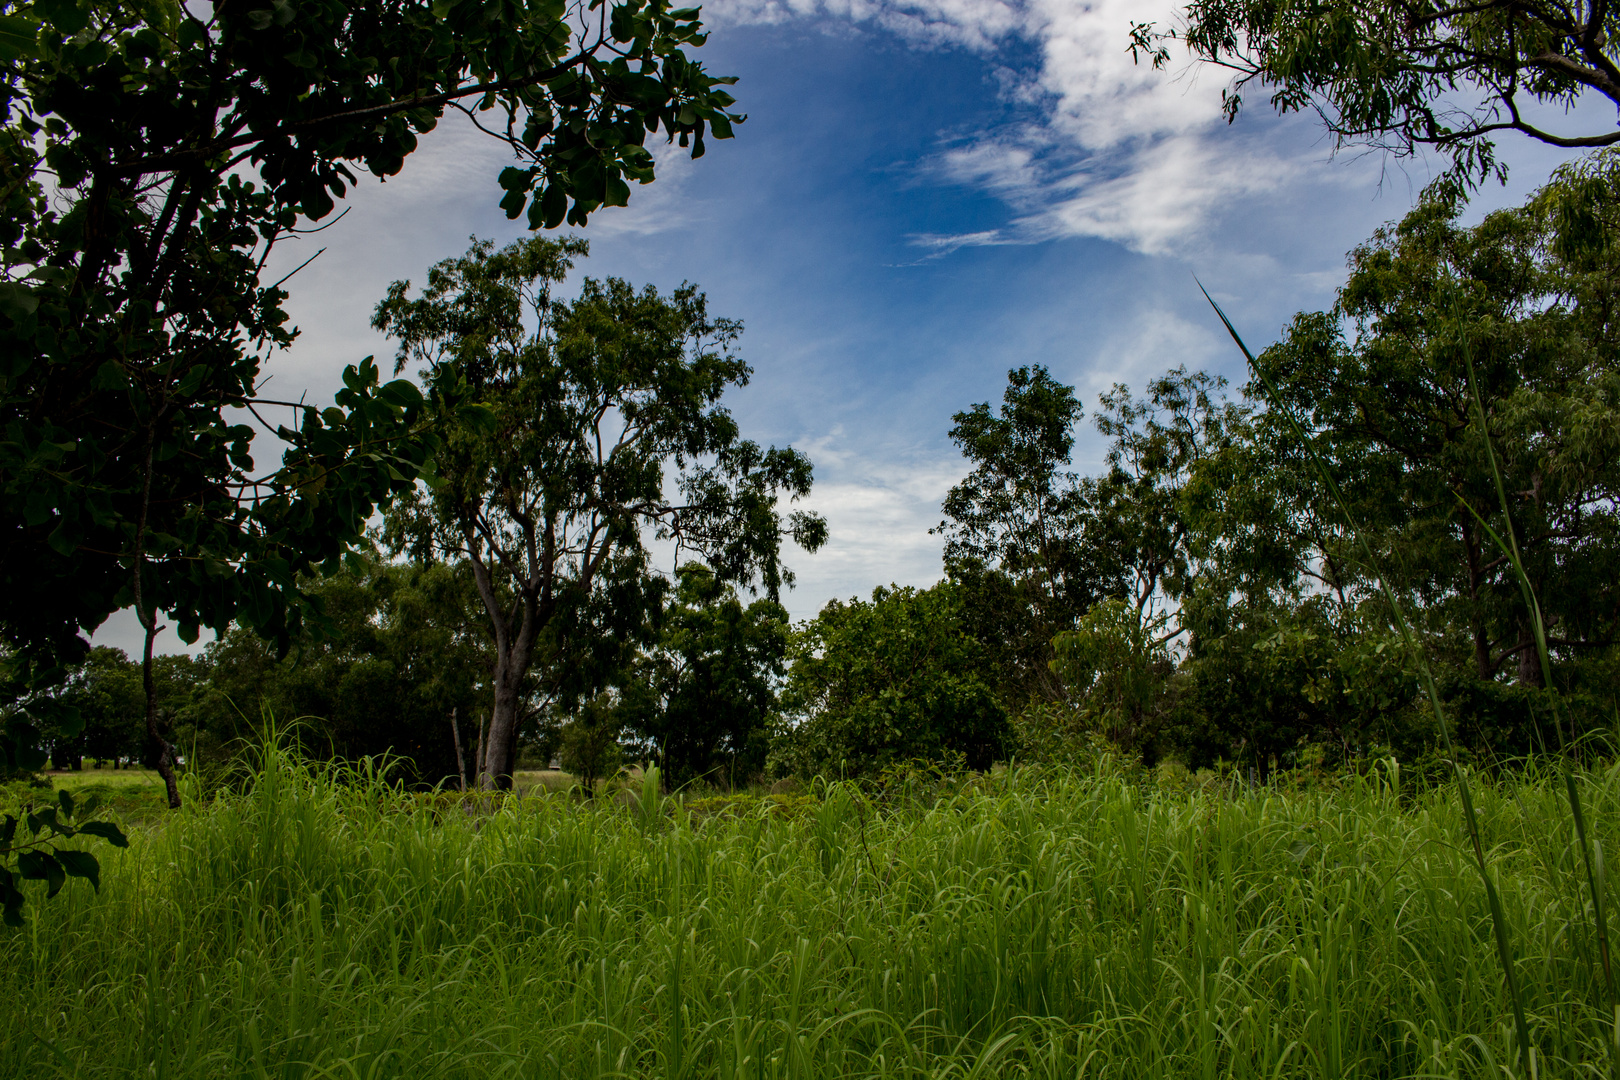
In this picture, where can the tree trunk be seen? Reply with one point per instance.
(1482, 642)
(165, 758)
(1529, 657)
(1482, 653)
(503, 718)
(148, 617)
(461, 762)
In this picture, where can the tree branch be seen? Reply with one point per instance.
(157, 162)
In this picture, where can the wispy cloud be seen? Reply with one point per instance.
(1102, 146)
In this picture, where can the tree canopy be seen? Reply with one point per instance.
(1405, 74)
(152, 157)
(595, 433)
(896, 678)
(704, 693)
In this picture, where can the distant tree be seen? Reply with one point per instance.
(106, 697)
(1018, 510)
(1262, 685)
(105, 690)
(1286, 632)
(893, 679)
(1035, 546)
(550, 488)
(1139, 529)
(1406, 74)
(589, 746)
(1015, 528)
(1114, 669)
(704, 694)
(112, 705)
(402, 657)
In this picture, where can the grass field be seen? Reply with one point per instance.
(1043, 926)
(136, 796)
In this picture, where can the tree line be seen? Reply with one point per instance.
(135, 319)
(1196, 599)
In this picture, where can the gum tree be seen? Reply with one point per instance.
(599, 428)
(1406, 74)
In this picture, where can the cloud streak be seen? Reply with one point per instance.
(1102, 146)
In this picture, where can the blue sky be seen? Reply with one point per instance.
(924, 195)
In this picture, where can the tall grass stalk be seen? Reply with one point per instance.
(1426, 675)
(1591, 849)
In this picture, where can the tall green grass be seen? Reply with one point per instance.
(1042, 925)
(1590, 846)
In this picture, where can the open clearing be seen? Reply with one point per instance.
(1059, 925)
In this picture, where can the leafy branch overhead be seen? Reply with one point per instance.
(150, 161)
(1406, 74)
(302, 91)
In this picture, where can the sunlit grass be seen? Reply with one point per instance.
(1059, 925)
(73, 779)
(540, 781)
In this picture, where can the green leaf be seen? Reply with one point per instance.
(62, 539)
(17, 37)
(42, 866)
(401, 392)
(553, 204)
(81, 864)
(479, 418)
(17, 301)
(65, 15)
(51, 275)
(65, 799)
(107, 831)
(12, 899)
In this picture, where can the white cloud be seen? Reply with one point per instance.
(1118, 150)
(878, 516)
(976, 24)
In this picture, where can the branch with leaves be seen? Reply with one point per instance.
(1401, 75)
(40, 856)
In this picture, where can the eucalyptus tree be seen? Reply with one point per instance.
(1529, 300)
(1409, 74)
(704, 693)
(1036, 545)
(1139, 525)
(152, 155)
(587, 429)
(1015, 527)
